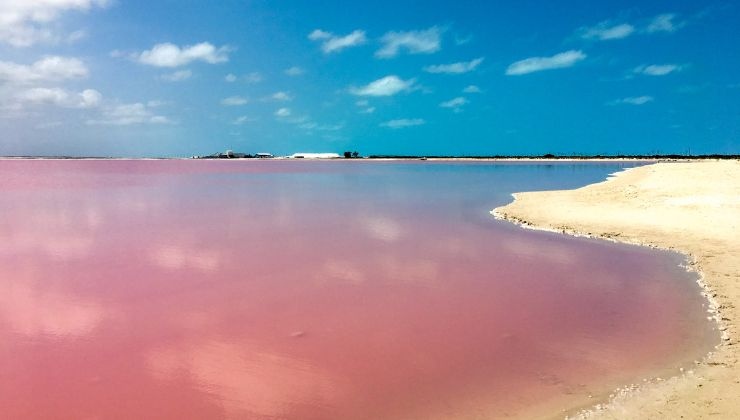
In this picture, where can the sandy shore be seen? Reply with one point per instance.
(691, 207)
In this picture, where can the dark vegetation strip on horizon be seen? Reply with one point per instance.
(545, 156)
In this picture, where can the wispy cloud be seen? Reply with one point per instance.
(242, 120)
(455, 103)
(294, 71)
(664, 23)
(314, 126)
(403, 123)
(170, 55)
(281, 96)
(129, 114)
(230, 78)
(52, 68)
(633, 100)
(534, 64)
(386, 86)
(156, 103)
(76, 36)
(471, 89)
(331, 43)
(178, 76)
(607, 30)
(462, 40)
(657, 69)
(426, 41)
(24, 23)
(234, 101)
(253, 77)
(283, 113)
(365, 105)
(455, 68)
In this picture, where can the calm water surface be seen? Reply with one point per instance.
(318, 290)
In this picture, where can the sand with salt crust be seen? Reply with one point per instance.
(691, 207)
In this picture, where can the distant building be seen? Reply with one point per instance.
(314, 156)
(264, 155)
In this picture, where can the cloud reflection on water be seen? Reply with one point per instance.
(245, 379)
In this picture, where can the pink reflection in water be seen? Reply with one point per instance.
(134, 289)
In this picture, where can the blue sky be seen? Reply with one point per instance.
(177, 78)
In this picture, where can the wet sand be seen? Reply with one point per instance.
(691, 207)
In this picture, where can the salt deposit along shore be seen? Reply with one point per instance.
(690, 207)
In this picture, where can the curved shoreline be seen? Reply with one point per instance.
(689, 207)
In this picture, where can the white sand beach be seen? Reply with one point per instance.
(691, 207)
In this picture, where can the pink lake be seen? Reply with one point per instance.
(319, 290)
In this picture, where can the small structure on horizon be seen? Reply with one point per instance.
(264, 155)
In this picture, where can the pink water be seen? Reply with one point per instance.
(306, 290)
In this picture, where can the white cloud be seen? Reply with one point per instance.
(318, 35)
(386, 86)
(253, 77)
(170, 55)
(283, 112)
(657, 69)
(234, 101)
(362, 102)
(454, 103)
(129, 114)
(281, 96)
(332, 43)
(294, 71)
(534, 64)
(24, 23)
(605, 31)
(368, 110)
(664, 23)
(414, 42)
(472, 89)
(402, 123)
(159, 119)
(178, 76)
(88, 98)
(53, 96)
(633, 100)
(52, 68)
(455, 68)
